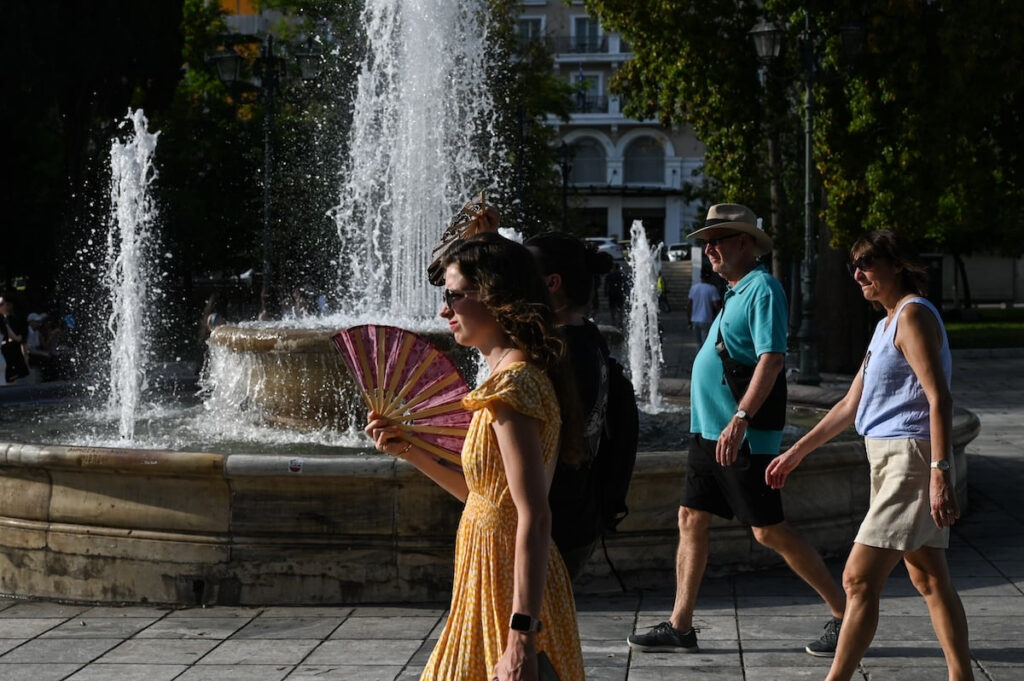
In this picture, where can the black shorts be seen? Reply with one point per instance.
(738, 490)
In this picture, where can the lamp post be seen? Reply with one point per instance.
(269, 68)
(565, 164)
(768, 41)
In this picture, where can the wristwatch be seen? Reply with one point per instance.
(941, 465)
(742, 415)
(521, 622)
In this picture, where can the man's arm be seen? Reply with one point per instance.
(765, 372)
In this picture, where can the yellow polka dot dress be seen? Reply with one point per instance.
(477, 629)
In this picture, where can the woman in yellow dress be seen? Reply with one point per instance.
(512, 599)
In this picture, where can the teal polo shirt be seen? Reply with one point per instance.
(754, 321)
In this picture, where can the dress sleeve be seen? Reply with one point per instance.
(521, 386)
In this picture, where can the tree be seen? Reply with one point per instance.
(920, 133)
(212, 152)
(79, 66)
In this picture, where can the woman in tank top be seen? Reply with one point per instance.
(900, 402)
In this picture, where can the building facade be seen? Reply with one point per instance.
(623, 169)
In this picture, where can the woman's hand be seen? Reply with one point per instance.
(519, 661)
(945, 509)
(384, 434)
(780, 467)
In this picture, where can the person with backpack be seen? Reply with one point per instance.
(588, 500)
(737, 412)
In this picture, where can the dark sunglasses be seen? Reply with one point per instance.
(451, 297)
(715, 242)
(864, 263)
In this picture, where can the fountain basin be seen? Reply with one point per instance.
(143, 526)
(103, 524)
(295, 377)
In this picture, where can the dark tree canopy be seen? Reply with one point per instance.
(73, 68)
(919, 133)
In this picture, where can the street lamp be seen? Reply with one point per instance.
(269, 68)
(767, 37)
(565, 164)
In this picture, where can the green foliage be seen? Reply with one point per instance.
(994, 328)
(920, 133)
(212, 150)
(73, 69)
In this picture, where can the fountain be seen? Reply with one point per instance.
(217, 503)
(643, 339)
(128, 242)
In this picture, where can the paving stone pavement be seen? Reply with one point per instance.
(753, 626)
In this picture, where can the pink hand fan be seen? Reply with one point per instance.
(405, 378)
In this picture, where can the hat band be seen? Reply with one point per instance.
(717, 221)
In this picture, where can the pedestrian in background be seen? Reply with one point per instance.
(702, 304)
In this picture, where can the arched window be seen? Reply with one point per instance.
(644, 162)
(588, 162)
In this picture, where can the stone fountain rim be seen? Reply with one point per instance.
(368, 462)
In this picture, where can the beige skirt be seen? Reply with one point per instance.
(899, 516)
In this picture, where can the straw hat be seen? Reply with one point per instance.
(738, 218)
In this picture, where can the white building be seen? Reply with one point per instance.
(622, 169)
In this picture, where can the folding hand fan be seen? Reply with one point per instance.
(406, 379)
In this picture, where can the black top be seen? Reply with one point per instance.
(574, 505)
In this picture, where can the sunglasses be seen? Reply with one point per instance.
(451, 297)
(864, 263)
(714, 242)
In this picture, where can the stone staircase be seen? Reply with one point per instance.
(677, 277)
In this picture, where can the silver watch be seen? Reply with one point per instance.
(742, 415)
(941, 465)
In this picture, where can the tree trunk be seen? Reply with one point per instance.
(845, 319)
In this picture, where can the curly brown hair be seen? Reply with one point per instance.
(510, 286)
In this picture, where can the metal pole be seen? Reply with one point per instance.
(563, 152)
(269, 86)
(808, 342)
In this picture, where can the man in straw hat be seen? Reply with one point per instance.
(728, 452)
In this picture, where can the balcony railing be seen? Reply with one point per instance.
(579, 44)
(589, 104)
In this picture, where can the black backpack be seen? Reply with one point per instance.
(616, 454)
(589, 501)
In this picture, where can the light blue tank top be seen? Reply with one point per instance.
(893, 404)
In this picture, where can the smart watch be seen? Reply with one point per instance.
(742, 415)
(521, 622)
(941, 465)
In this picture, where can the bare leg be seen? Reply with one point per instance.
(930, 575)
(691, 560)
(805, 561)
(867, 570)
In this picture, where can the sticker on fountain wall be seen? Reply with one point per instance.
(295, 465)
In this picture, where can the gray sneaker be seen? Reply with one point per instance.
(825, 646)
(664, 638)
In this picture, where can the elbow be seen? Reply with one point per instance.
(537, 519)
(774, 362)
